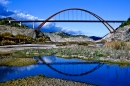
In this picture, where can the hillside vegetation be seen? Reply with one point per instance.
(122, 33)
(5, 21)
(66, 35)
(125, 23)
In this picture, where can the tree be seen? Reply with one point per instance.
(41, 39)
(3, 22)
(125, 23)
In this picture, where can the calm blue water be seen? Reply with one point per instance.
(94, 73)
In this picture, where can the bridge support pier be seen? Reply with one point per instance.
(9, 22)
(20, 24)
(33, 25)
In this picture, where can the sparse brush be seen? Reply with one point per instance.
(117, 45)
(7, 42)
(41, 39)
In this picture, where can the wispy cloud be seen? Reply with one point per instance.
(4, 2)
(54, 28)
(72, 31)
(22, 16)
(51, 28)
(3, 10)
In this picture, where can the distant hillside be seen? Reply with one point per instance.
(8, 18)
(95, 38)
(64, 37)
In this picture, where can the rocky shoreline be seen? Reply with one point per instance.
(42, 81)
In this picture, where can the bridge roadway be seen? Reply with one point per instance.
(96, 21)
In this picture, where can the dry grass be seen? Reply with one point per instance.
(112, 44)
(13, 61)
(117, 45)
(128, 44)
(6, 53)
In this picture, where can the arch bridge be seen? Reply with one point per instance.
(105, 23)
(73, 15)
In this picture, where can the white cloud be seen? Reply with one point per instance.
(22, 16)
(26, 16)
(4, 2)
(49, 26)
(55, 28)
(72, 31)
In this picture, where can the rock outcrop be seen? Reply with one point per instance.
(121, 34)
(17, 30)
(55, 37)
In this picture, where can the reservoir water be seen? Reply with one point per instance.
(70, 69)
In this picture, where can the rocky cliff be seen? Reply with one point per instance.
(18, 30)
(121, 34)
(54, 37)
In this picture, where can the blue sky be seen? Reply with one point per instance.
(42, 9)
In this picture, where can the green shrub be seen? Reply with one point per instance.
(3, 22)
(125, 23)
(15, 25)
(41, 39)
(98, 53)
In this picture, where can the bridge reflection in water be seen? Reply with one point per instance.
(67, 68)
(70, 69)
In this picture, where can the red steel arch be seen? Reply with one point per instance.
(98, 17)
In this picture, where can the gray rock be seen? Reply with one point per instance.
(57, 38)
(18, 30)
(54, 37)
(121, 34)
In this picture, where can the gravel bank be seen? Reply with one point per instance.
(8, 48)
(42, 81)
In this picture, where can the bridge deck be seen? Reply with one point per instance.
(110, 21)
